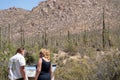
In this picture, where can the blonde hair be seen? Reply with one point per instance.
(45, 53)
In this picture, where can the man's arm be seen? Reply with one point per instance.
(22, 69)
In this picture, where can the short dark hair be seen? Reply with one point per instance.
(19, 50)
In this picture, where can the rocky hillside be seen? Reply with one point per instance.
(55, 16)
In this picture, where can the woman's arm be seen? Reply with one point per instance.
(38, 69)
(51, 73)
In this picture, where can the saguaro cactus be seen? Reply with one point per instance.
(9, 35)
(0, 38)
(68, 36)
(38, 39)
(85, 38)
(45, 38)
(22, 36)
(103, 30)
(109, 41)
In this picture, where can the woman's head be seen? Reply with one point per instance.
(45, 53)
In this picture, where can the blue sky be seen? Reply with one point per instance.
(25, 4)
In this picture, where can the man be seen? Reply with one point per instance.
(17, 66)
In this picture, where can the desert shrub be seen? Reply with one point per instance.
(53, 49)
(70, 48)
(107, 67)
(30, 59)
(73, 70)
(4, 59)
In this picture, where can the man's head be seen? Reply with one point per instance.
(21, 51)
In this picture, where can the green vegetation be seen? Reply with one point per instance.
(98, 67)
(87, 43)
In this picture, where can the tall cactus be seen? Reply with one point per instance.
(9, 35)
(76, 40)
(45, 38)
(0, 38)
(22, 36)
(39, 42)
(85, 38)
(42, 40)
(109, 41)
(68, 38)
(103, 30)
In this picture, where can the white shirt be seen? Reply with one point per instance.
(14, 66)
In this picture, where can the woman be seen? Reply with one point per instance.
(44, 71)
